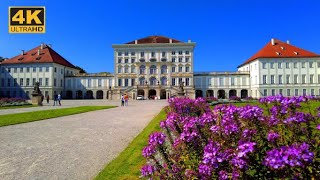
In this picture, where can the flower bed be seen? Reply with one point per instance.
(5, 102)
(235, 98)
(232, 142)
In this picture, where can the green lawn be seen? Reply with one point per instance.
(15, 107)
(10, 119)
(127, 165)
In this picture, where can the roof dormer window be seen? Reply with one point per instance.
(296, 53)
(278, 53)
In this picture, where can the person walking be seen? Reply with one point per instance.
(122, 100)
(126, 99)
(59, 99)
(55, 98)
(48, 98)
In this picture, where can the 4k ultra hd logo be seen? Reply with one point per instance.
(27, 19)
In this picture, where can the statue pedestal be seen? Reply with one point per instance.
(181, 94)
(36, 99)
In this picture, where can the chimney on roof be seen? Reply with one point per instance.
(38, 52)
(272, 42)
(288, 42)
(136, 42)
(170, 40)
(22, 52)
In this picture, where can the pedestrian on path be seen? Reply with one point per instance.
(122, 100)
(126, 99)
(55, 99)
(59, 99)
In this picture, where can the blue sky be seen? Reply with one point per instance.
(226, 32)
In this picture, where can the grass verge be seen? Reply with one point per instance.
(127, 165)
(10, 119)
(16, 107)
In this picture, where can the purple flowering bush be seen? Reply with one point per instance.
(229, 142)
(211, 99)
(235, 98)
(12, 101)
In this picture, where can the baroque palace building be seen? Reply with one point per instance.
(155, 66)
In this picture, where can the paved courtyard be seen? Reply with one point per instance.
(71, 147)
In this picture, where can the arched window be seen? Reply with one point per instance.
(142, 69)
(153, 81)
(126, 69)
(141, 81)
(163, 69)
(153, 69)
(164, 81)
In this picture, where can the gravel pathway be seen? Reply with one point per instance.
(71, 147)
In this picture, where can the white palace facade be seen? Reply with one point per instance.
(155, 66)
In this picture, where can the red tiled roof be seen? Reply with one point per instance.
(280, 50)
(154, 39)
(47, 55)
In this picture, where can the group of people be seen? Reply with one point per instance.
(124, 99)
(56, 99)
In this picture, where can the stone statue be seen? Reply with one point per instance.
(181, 86)
(36, 89)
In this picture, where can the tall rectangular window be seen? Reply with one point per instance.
(295, 65)
(40, 69)
(28, 82)
(133, 53)
(15, 82)
(99, 82)
(288, 79)
(55, 82)
(126, 82)
(173, 53)
(180, 59)
(153, 54)
(163, 54)
(287, 65)
(279, 65)
(295, 79)
(40, 81)
(303, 79)
(264, 79)
(280, 79)
(61, 83)
(221, 81)
(232, 81)
(15, 70)
(33, 81)
(47, 82)
(303, 64)
(310, 64)
(281, 91)
(173, 69)
(311, 79)
(304, 92)
(273, 92)
(133, 82)
(89, 83)
(126, 53)
(28, 69)
(47, 69)
(312, 92)
(296, 92)
(21, 69)
(187, 59)
(271, 65)
(288, 92)
(187, 68)
(142, 54)
(173, 81)
(264, 65)
(265, 92)
(180, 68)
(34, 69)
(173, 59)
(272, 79)
(187, 82)
(119, 82)
(21, 81)
(180, 52)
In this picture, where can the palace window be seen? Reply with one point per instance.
(173, 81)
(279, 65)
(132, 60)
(173, 53)
(173, 59)
(173, 69)
(153, 69)
(303, 65)
(119, 54)
(187, 68)
(271, 65)
(311, 79)
(153, 54)
(163, 81)
(310, 64)
(142, 54)
(187, 52)
(133, 53)
(296, 92)
(287, 65)
(272, 79)
(187, 82)
(47, 82)
(40, 81)
(265, 92)
(280, 79)
(295, 65)
(288, 79)
(33, 81)
(180, 52)
(288, 92)
(303, 79)
(295, 79)
(163, 69)
(126, 53)
(180, 59)
(126, 60)
(142, 69)
(28, 82)
(180, 68)
(187, 59)
(264, 65)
